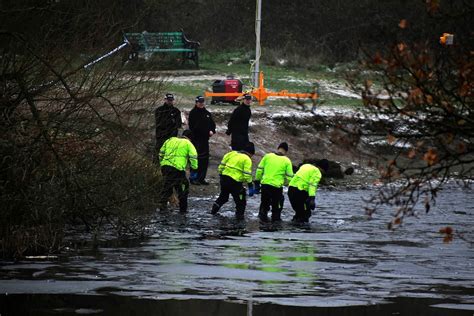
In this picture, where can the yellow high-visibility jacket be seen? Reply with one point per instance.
(273, 169)
(236, 165)
(176, 152)
(307, 179)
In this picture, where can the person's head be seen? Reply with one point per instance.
(247, 99)
(283, 148)
(200, 102)
(169, 98)
(323, 164)
(187, 133)
(249, 148)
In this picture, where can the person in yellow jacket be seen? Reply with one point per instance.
(302, 189)
(271, 173)
(235, 169)
(174, 156)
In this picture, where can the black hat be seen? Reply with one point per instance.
(199, 99)
(284, 146)
(169, 96)
(187, 133)
(323, 164)
(249, 148)
(247, 96)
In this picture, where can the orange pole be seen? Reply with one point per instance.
(261, 94)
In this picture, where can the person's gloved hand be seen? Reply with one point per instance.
(193, 175)
(251, 189)
(257, 187)
(310, 202)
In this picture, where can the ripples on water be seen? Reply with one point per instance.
(341, 260)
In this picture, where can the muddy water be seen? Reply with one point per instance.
(198, 264)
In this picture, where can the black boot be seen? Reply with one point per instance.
(263, 216)
(215, 208)
(239, 215)
(276, 216)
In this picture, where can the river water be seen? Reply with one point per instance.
(199, 264)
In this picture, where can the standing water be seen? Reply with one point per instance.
(199, 264)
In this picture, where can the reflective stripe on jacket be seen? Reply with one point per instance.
(306, 179)
(236, 165)
(176, 152)
(273, 169)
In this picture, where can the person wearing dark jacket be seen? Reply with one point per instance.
(167, 121)
(238, 125)
(203, 127)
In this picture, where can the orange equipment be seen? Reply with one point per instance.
(446, 39)
(261, 94)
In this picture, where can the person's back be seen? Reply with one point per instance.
(273, 169)
(176, 152)
(236, 165)
(307, 179)
(235, 169)
(302, 189)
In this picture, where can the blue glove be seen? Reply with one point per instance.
(251, 189)
(251, 192)
(257, 187)
(193, 175)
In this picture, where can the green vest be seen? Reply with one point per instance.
(176, 152)
(236, 165)
(272, 170)
(307, 179)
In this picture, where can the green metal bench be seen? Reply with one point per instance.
(163, 42)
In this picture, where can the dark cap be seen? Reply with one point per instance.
(284, 146)
(169, 96)
(250, 148)
(199, 99)
(187, 133)
(247, 96)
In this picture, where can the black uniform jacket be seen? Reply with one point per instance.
(239, 120)
(201, 123)
(167, 121)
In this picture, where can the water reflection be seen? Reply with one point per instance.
(340, 259)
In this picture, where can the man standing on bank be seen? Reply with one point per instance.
(203, 127)
(271, 173)
(238, 125)
(167, 121)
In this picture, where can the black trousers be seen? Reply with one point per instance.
(175, 179)
(298, 201)
(231, 187)
(238, 141)
(202, 148)
(271, 197)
